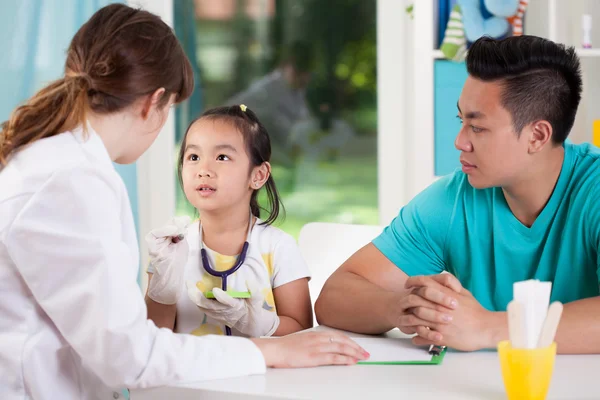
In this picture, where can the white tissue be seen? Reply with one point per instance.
(535, 297)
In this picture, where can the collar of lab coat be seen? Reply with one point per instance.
(93, 144)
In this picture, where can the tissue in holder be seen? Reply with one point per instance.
(535, 297)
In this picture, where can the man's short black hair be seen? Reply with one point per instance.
(541, 79)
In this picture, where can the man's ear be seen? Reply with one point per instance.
(540, 135)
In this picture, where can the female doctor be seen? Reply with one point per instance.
(72, 319)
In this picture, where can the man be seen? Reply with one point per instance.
(526, 205)
(279, 98)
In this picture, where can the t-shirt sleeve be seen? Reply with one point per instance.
(150, 268)
(415, 240)
(288, 264)
(591, 214)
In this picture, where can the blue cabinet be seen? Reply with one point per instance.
(449, 78)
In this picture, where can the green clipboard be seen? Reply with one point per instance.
(435, 360)
(232, 293)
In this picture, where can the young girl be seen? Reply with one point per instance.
(223, 164)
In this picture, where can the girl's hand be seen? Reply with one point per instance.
(245, 315)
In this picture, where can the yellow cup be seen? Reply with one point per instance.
(526, 372)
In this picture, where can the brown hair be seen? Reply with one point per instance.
(120, 55)
(258, 148)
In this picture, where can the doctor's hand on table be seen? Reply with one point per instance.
(168, 250)
(245, 315)
(440, 311)
(310, 349)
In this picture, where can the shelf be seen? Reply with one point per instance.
(437, 54)
(588, 52)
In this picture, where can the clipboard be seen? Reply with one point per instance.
(435, 360)
(232, 293)
(393, 351)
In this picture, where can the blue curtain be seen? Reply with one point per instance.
(34, 37)
(184, 22)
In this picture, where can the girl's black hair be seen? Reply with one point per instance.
(258, 147)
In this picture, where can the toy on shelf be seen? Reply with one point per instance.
(454, 45)
(471, 19)
(587, 31)
(477, 25)
(517, 20)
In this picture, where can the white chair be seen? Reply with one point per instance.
(325, 246)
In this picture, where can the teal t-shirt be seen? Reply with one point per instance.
(473, 234)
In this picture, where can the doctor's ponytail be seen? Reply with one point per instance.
(119, 56)
(58, 107)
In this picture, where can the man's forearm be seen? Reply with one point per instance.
(579, 328)
(578, 331)
(352, 303)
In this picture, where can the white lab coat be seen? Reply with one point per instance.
(72, 319)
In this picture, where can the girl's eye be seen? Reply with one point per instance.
(193, 157)
(223, 157)
(476, 129)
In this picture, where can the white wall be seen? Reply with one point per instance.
(572, 34)
(393, 105)
(567, 29)
(156, 168)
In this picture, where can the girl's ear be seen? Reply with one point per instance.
(260, 175)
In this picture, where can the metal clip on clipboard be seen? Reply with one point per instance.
(436, 350)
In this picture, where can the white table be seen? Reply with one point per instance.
(462, 376)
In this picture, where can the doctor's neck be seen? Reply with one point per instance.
(112, 128)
